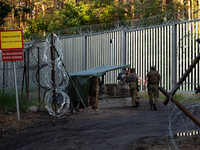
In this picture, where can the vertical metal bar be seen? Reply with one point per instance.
(53, 72)
(136, 49)
(69, 55)
(27, 80)
(160, 50)
(165, 60)
(151, 63)
(101, 49)
(124, 47)
(193, 54)
(76, 52)
(162, 62)
(111, 54)
(84, 52)
(98, 55)
(187, 55)
(174, 54)
(181, 53)
(143, 58)
(198, 48)
(24, 73)
(127, 48)
(149, 55)
(139, 49)
(105, 48)
(133, 58)
(197, 70)
(154, 46)
(39, 75)
(156, 51)
(178, 51)
(141, 53)
(168, 56)
(184, 51)
(131, 46)
(146, 57)
(88, 52)
(114, 54)
(4, 77)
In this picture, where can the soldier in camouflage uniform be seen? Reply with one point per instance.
(133, 83)
(153, 78)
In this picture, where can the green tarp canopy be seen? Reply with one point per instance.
(82, 81)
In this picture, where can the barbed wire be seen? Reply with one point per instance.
(181, 128)
(165, 18)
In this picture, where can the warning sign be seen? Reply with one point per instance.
(11, 39)
(12, 55)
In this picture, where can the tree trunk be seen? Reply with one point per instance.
(164, 2)
(198, 9)
(116, 13)
(188, 9)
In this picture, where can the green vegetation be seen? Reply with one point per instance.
(41, 16)
(8, 102)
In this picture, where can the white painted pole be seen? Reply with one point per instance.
(17, 102)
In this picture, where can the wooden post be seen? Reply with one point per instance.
(94, 92)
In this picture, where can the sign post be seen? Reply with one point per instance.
(11, 44)
(16, 92)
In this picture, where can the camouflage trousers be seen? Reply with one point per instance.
(153, 94)
(133, 92)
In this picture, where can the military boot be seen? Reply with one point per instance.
(137, 104)
(151, 106)
(154, 105)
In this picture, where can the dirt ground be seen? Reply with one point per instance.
(123, 128)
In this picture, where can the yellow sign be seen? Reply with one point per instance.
(11, 39)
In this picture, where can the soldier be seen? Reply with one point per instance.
(133, 83)
(153, 78)
(122, 75)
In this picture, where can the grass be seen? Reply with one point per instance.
(8, 102)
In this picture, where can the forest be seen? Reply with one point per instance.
(41, 16)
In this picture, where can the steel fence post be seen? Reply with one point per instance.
(174, 56)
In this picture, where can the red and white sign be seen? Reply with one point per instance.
(12, 55)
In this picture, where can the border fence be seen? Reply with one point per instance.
(167, 41)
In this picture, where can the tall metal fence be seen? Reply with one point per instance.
(170, 46)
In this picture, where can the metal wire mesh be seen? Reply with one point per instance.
(182, 131)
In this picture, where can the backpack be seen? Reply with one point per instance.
(153, 77)
(132, 78)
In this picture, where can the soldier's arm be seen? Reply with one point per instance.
(160, 83)
(145, 82)
(125, 80)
